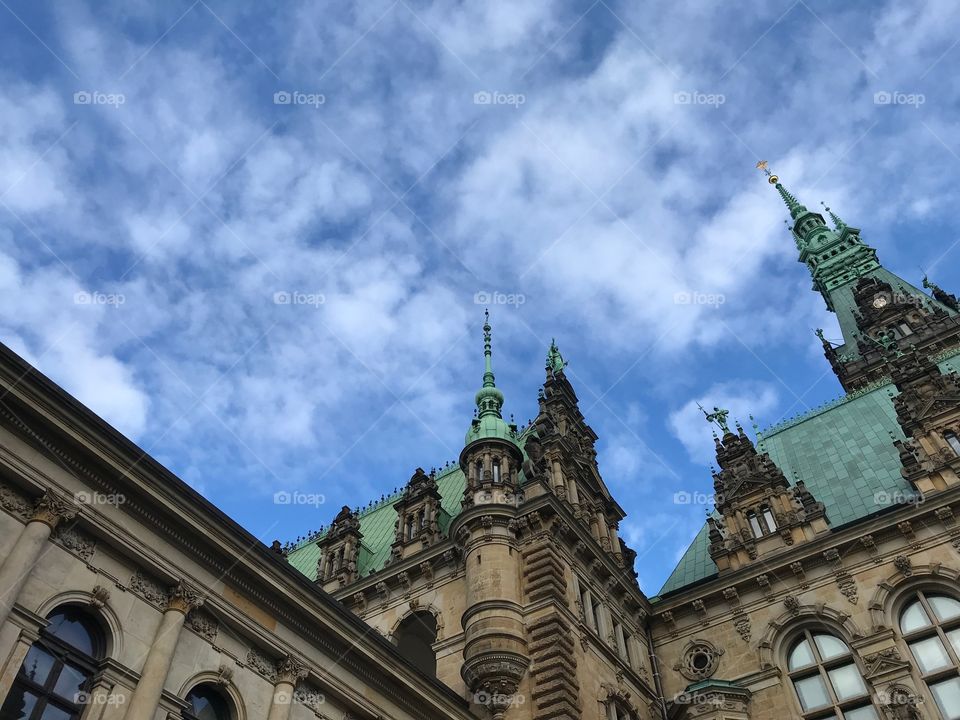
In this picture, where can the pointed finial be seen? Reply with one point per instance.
(765, 167)
(837, 222)
(793, 205)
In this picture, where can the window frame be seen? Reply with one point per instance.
(63, 655)
(836, 708)
(188, 714)
(952, 441)
(936, 629)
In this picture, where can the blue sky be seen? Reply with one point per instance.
(170, 173)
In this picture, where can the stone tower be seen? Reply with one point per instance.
(495, 653)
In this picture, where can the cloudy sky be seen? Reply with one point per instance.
(259, 241)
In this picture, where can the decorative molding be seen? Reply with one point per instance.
(148, 588)
(75, 540)
(878, 605)
(15, 502)
(884, 663)
(183, 597)
(819, 612)
(203, 624)
(99, 597)
(261, 664)
(290, 670)
(52, 508)
(699, 660)
(310, 697)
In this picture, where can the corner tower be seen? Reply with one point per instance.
(875, 308)
(495, 657)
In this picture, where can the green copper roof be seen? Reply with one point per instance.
(377, 524)
(844, 454)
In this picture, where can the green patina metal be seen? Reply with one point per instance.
(837, 258)
(555, 361)
(489, 423)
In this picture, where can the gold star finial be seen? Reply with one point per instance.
(771, 178)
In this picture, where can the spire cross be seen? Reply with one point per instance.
(793, 205)
(764, 166)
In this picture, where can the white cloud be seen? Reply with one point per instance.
(741, 399)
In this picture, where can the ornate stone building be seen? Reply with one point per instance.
(825, 583)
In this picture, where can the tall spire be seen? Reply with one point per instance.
(793, 205)
(489, 398)
(837, 222)
(872, 304)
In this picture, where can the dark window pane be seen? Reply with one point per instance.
(207, 703)
(70, 682)
(19, 704)
(36, 666)
(52, 712)
(74, 628)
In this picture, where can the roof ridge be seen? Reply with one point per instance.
(824, 407)
(373, 506)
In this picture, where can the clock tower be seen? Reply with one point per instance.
(880, 314)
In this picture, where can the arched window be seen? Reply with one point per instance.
(496, 471)
(415, 638)
(206, 702)
(930, 625)
(953, 441)
(754, 524)
(768, 519)
(55, 676)
(827, 680)
(616, 711)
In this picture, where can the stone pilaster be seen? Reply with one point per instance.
(49, 510)
(289, 672)
(146, 697)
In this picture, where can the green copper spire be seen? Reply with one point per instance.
(838, 259)
(489, 398)
(793, 205)
(488, 422)
(837, 222)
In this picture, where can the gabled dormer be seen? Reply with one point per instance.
(758, 511)
(418, 515)
(340, 549)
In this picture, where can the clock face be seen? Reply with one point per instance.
(879, 301)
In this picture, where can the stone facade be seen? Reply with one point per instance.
(183, 595)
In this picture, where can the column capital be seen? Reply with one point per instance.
(51, 509)
(290, 670)
(184, 598)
